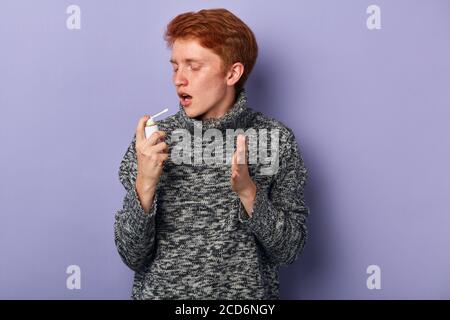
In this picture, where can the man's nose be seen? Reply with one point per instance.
(179, 78)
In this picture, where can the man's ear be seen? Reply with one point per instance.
(235, 73)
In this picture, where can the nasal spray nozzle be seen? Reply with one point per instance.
(151, 126)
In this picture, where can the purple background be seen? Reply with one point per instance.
(370, 110)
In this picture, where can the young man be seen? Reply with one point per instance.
(196, 229)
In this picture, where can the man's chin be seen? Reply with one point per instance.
(193, 115)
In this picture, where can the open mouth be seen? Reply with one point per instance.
(185, 99)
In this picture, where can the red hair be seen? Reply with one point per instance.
(222, 32)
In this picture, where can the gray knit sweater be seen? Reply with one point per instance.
(198, 242)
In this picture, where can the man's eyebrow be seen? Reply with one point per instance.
(186, 60)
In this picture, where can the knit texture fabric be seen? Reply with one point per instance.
(198, 242)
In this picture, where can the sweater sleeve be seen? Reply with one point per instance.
(279, 216)
(134, 230)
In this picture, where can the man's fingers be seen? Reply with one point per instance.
(241, 149)
(153, 139)
(159, 147)
(162, 157)
(140, 129)
(233, 162)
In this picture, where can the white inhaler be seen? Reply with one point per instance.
(151, 125)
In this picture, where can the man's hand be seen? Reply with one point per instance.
(241, 183)
(151, 156)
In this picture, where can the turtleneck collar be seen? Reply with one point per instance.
(236, 117)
